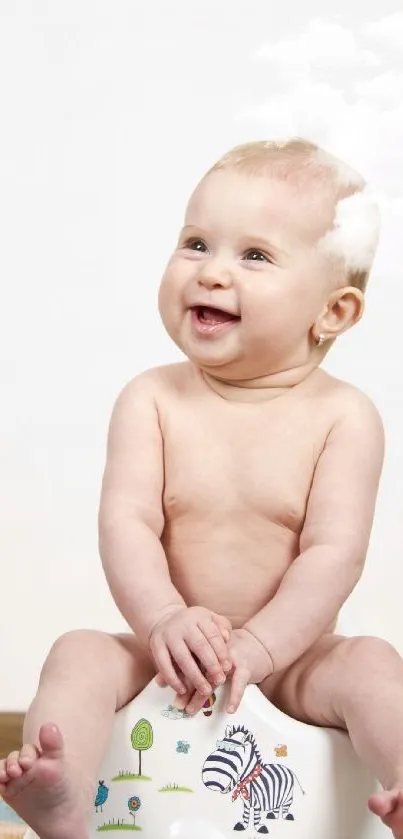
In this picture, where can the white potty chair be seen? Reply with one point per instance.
(215, 775)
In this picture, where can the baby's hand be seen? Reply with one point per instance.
(186, 638)
(251, 664)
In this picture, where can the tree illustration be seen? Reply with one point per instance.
(142, 738)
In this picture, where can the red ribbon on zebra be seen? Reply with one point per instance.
(242, 786)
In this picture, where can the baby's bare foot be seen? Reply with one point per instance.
(45, 790)
(389, 806)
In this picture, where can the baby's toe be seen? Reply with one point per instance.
(3, 771)
(28, 755)
(12, 765)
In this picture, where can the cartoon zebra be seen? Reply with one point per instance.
(236, 766)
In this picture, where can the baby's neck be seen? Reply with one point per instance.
(261, 389)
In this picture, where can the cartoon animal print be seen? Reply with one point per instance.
(236, 766)
(101, 796)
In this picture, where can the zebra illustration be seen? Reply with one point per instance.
(236, 766)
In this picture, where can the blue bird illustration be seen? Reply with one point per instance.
(101, 796)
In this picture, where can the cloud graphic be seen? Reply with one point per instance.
(344, 91)
(175, 713)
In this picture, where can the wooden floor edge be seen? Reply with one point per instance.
(10, 731)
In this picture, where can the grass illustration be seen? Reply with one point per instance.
(119, 825)
(174, 788)
(130, 776)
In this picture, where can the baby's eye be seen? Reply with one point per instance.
(196, 245)
(254, 255)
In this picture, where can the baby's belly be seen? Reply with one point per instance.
(226, 571)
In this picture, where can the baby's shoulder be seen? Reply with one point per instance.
(161, 382)
(347, 403)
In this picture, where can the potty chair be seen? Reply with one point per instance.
(215, 776)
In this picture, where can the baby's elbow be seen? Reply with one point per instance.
(349, 566)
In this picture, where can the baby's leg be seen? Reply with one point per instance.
(87, 676)
(356, 684)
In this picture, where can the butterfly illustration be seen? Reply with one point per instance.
(182, 747)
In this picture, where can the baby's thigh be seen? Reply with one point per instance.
(95, 661)
(307, 690)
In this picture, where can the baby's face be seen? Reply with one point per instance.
(246, 282)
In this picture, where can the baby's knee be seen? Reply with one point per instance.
(366, 654)
(77, 648)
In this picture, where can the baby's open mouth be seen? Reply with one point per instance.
(210, 315)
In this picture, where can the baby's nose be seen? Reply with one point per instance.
(212, 277)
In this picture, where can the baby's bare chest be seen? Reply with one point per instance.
(239, 467)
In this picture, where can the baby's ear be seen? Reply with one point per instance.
(344, 308)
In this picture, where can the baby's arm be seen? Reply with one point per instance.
(131, 515)
(334, 539)
(131, 522)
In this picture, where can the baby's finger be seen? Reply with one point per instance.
(214, 634)
(224, 625)
(166, 669)
(187, 665)
(181, 702)
(239, 681)
(203, 650)
(195, 703)
(161, 682)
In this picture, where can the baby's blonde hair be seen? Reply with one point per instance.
(355, 231)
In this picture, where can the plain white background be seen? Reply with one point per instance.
(110, 112)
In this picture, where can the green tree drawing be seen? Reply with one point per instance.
(142, 738)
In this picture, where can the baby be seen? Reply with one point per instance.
(238, 494)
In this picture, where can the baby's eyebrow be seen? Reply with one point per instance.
(194, 227)
(261, 242)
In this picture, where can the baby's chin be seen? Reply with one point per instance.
(226, 361)
(219, 356)
(236, 372)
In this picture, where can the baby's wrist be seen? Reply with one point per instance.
(263, 648)
(145, 621)
(164, 614)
